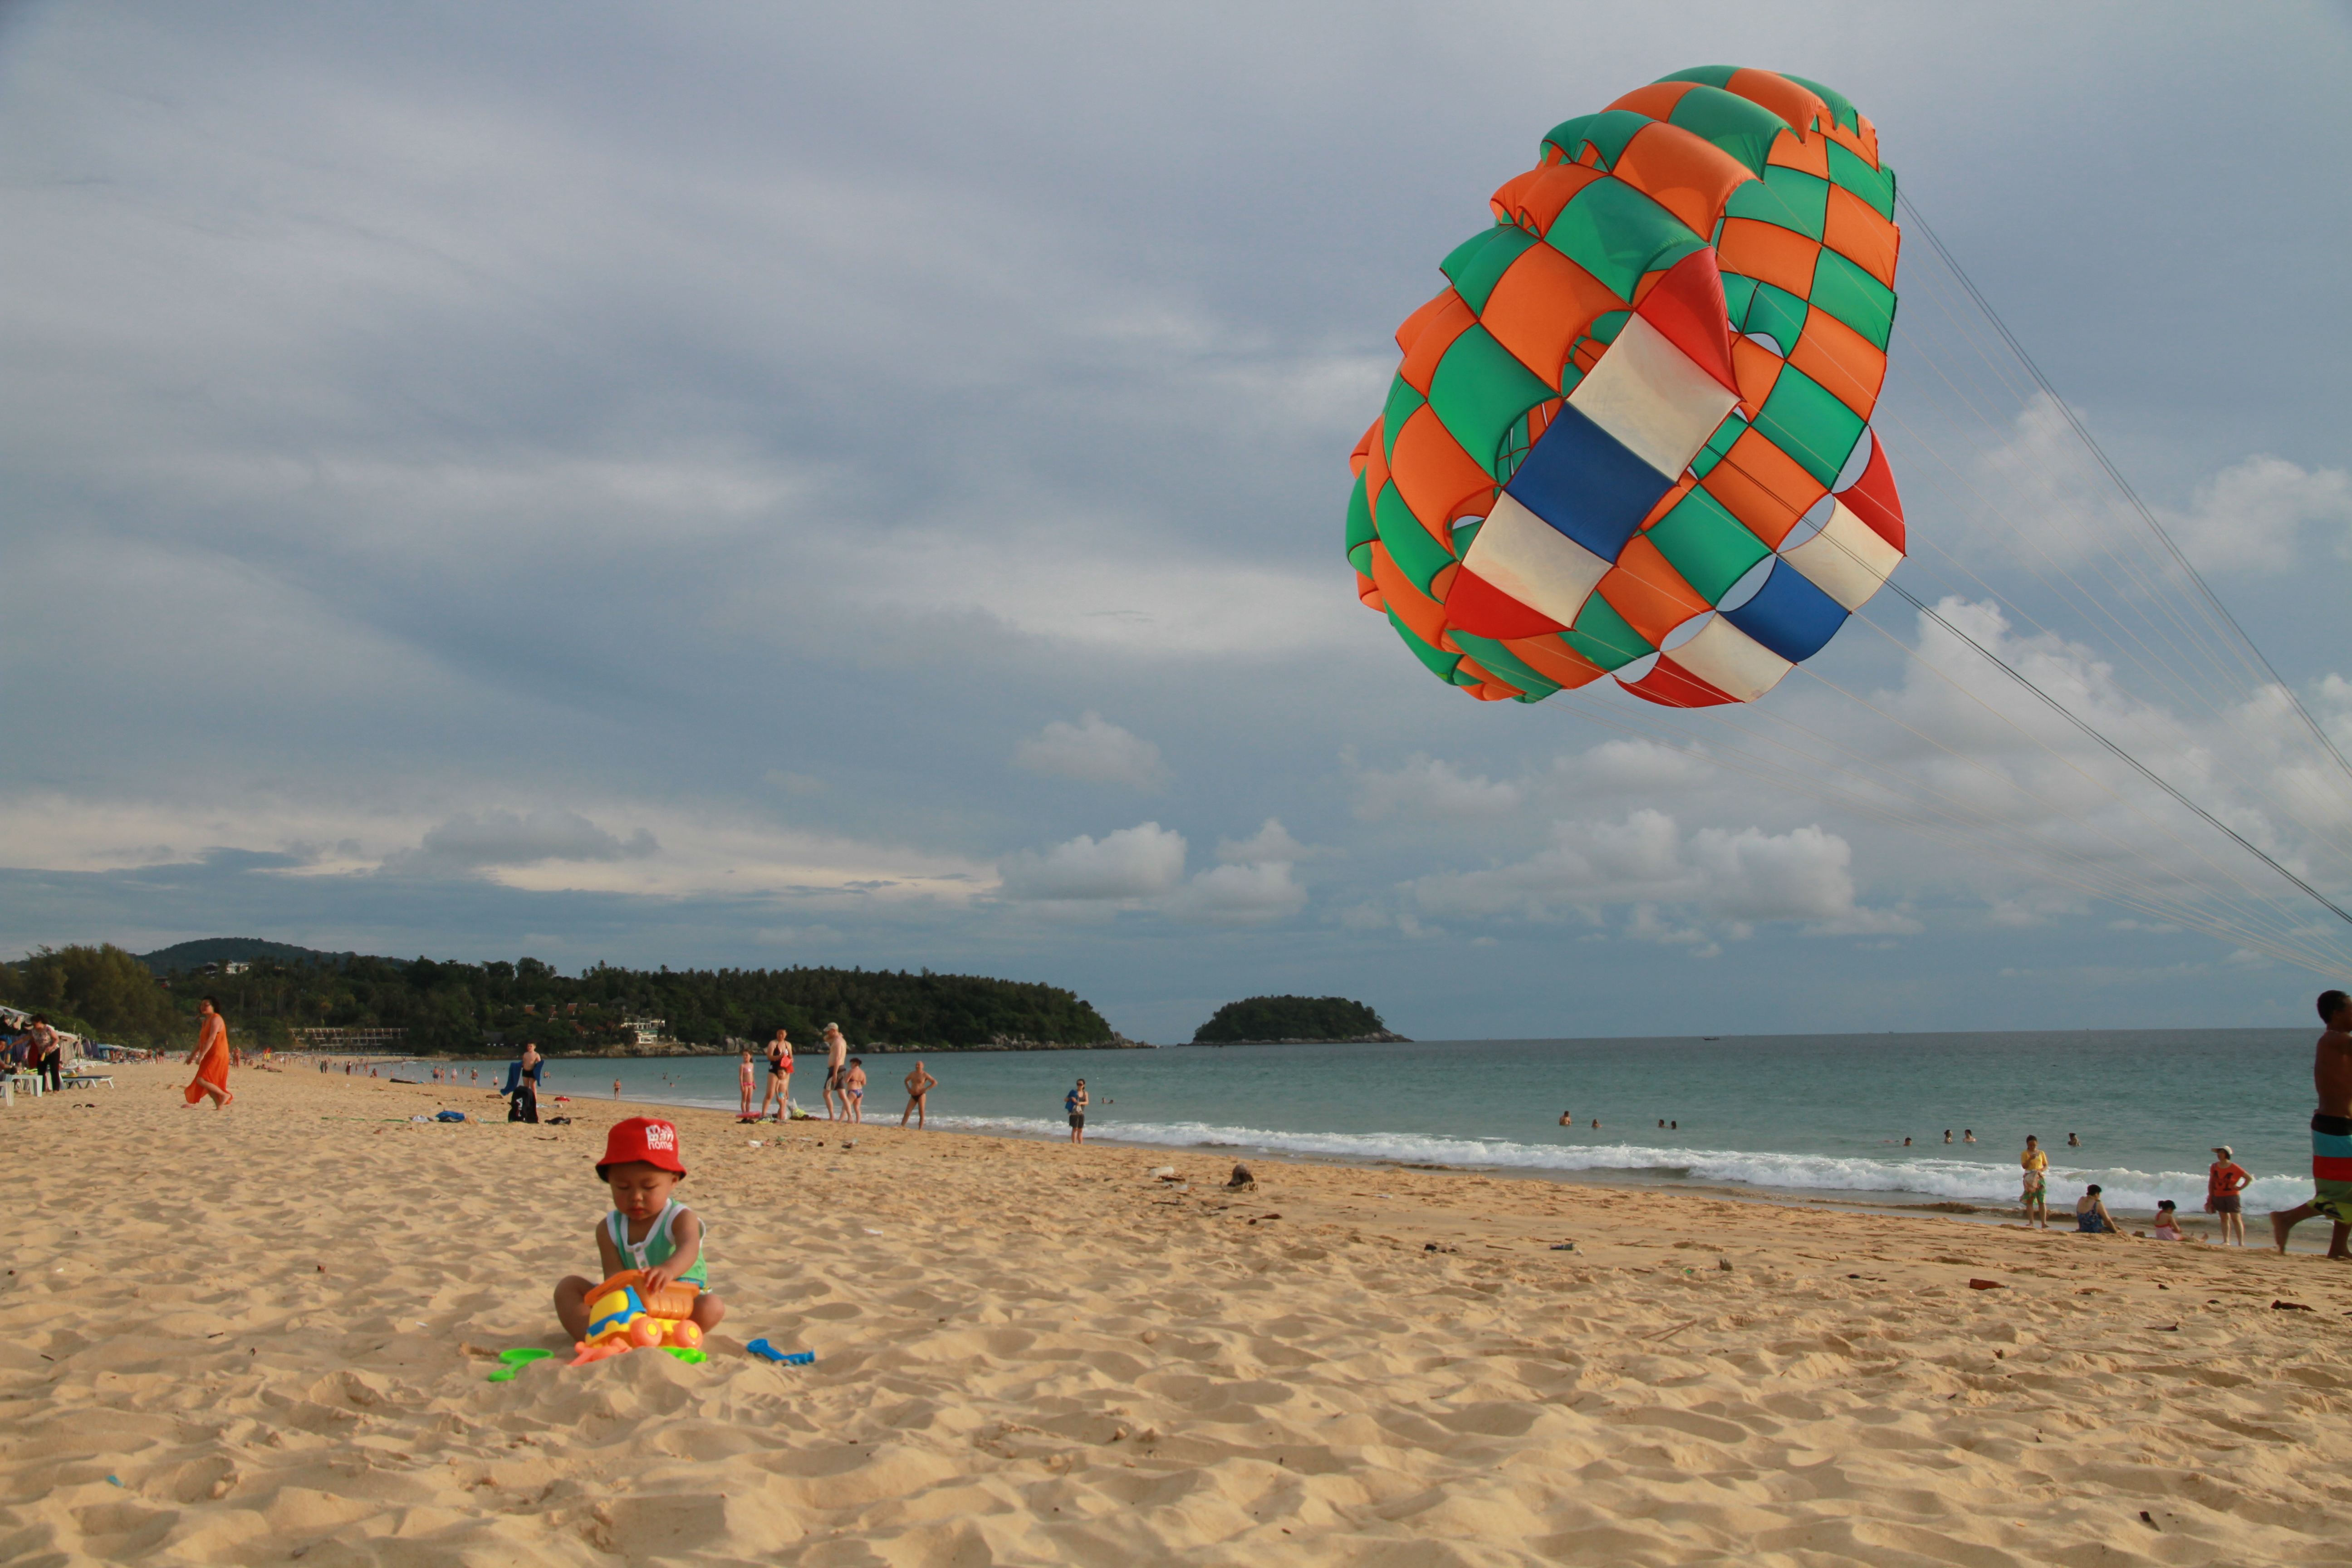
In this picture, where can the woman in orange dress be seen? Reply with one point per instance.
(210, 1057)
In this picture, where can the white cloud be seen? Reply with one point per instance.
(1636, 767)
(2254, 516)
(666, 852)
(468, 842)
(1272, 841)
(1091, 751)
(1676, 882)
(2260, 514)
(1239, 895)
(1140, 862)
(1427, 786)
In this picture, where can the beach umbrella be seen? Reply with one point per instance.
(1631, 436)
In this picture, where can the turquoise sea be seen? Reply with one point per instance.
(1787, 1116)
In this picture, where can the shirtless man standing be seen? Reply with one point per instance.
(836, 1072)
(920, 1085)
(2331, 1130)
(779, 1075)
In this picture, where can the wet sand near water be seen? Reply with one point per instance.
(263, 1336)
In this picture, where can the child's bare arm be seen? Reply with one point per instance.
(685, 1237)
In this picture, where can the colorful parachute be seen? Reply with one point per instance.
(1632, 435)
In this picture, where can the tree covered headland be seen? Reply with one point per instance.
(107, 993)
(1290, 1018)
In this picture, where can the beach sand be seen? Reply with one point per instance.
(263, 1336)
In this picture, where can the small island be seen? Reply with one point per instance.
(1294, 1021)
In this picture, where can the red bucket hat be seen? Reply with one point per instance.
(641, 1138)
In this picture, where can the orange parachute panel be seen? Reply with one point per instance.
(1856, 232)
(1690, 177)
(1756, 368)
(1768, 253)
(1439, 328)
(1408, 330)
(1541, 305)
(1763, 487)
(1533, 200)
(1554, 660)
(1416, 609)
(1649, 592)
(1667, 502)
(1364, 446)
(1801, 106)
(1847, 364)
(1369, 592)
(1657, 100)
(1438, 480)
(1376, 467)
(1807, 154)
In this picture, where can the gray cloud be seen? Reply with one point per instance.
(739, 414)
(472, 842)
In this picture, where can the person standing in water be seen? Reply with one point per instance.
(1074, 1104)
(780, 1076)
(2037, 1181)
(836, 1072)
(920, 1085)
(2331, 1130)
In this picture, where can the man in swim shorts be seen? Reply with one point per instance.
(836, 1072)
(1075, 1103)
(2331, 1130)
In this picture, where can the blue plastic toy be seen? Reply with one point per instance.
(767, 1351)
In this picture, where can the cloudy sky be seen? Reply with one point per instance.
(755, 485)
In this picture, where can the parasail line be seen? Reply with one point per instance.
(2129, 494)
(2141, 768)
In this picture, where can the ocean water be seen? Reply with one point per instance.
(1783, 1115)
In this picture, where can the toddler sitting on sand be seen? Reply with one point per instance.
(647, 1228)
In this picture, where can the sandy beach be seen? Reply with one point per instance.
(263, 1336)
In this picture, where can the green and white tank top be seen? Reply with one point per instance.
(657, 1246)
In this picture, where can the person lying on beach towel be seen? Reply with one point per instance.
(210, 1057)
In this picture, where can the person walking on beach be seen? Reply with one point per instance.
(2225, 1179)
(779, 1075)
(2037, 1181)
(836, 1072)
(2331, 1130)
(210, 1057)
(852, 1090)
(616, 1089)
(1074, 1104)
(920, 1085)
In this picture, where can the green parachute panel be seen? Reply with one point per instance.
(1711, 548)
(1479, 391)
(1617, 234)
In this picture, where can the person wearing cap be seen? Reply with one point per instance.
(648, 1229)
(2224, 1180)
